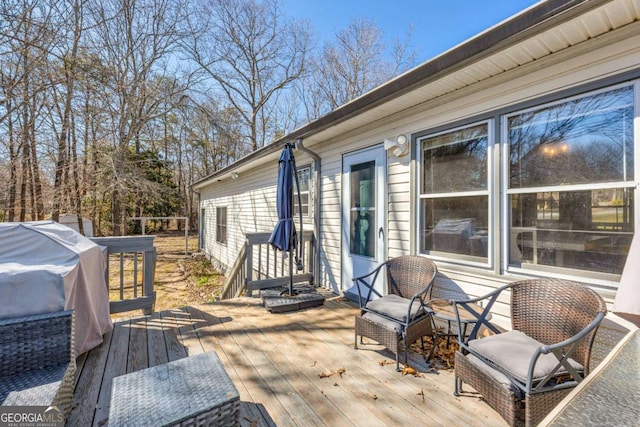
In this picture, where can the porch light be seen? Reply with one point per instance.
(400, 145)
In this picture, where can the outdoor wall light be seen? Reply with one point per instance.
(400, 145)
(234, 175)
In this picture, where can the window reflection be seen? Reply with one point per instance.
(455, 225)
(455, 162)
(580, 142)
(586, 140)
(363, 209)
(586, 230)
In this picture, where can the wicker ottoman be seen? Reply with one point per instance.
(191, 391)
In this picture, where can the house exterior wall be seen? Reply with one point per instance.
(251, 198)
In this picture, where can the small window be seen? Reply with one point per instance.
(304, 179)
(221, 224)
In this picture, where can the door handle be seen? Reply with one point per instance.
(380, 232)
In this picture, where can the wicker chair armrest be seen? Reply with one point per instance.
(368, 284)
(563, 356)
(482, 318)
(545, 349)
(420, 299)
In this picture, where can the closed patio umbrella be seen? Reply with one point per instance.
(284, 236)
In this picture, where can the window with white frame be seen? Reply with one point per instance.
(221, 224)
(454, 193)
(566, 183)
(569, 178)
(304, 180)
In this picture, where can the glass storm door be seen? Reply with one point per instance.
(363, 215)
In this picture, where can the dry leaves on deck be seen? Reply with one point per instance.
(372, 396)
(443, 353)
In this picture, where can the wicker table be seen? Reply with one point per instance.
(191, 391)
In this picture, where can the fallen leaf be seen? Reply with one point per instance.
(407, 370)
(372, 396)
(252, 423)
(341, 371)
(326, 374)
(386, 362)
(421, 393)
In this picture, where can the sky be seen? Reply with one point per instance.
(438, 25)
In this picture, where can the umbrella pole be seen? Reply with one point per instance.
(291, 272)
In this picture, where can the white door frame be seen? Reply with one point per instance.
(354, 265)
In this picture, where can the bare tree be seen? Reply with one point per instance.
(356, 62)
(252, 53)
(25, 37)
(135, 41)
(72, 10)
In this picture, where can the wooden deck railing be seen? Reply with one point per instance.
(136, 261)
(259, 266)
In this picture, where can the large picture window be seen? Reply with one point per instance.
(570, 186)
(221, 224)
(563, 197)
(454, 193)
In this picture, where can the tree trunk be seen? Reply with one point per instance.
(26, 178)
(37, 201)
(13, 165)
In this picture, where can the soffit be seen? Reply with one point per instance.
(608, 17)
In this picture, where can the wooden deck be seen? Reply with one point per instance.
(277, 362)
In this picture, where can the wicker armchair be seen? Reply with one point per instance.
(37, 361)
(524, 373)
(398, 318)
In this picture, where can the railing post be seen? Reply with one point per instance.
(149, 274)
(249, 269)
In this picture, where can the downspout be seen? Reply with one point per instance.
(198, 212)
(316, 208)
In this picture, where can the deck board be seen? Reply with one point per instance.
(116, 365)
(275, 361)
(156, 346)
(90, 376)
(138, 356)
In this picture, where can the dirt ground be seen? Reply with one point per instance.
(180, 279)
